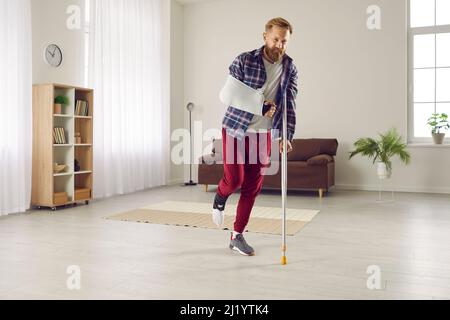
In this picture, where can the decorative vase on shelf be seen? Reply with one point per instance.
(77, 166)
(78, 138)
(57, 108)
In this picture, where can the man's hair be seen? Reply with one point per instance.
(279, 22)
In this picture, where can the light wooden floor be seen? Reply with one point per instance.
(408, 239)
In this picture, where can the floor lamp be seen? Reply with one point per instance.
(190, 107)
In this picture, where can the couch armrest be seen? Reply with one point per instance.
(320, 160)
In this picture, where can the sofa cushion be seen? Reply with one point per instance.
(320, 160)
(328, 146)
(305, 149)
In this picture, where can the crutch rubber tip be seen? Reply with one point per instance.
(283, 261)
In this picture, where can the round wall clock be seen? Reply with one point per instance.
(53, 55)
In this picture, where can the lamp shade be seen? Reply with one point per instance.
(190, 106)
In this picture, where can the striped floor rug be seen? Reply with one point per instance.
(198, 214)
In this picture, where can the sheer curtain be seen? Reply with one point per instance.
(131, 125)
(15, 106)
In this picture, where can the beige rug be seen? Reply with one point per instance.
(197, 214)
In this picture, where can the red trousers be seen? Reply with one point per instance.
(244, 166)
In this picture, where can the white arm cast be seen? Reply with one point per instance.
(241, 96)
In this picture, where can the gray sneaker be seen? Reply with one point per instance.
(240, 245)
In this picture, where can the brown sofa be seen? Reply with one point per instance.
(311, 166)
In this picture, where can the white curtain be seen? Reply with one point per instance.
(131, 127)
(15, 106)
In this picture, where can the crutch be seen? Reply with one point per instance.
(284, 184)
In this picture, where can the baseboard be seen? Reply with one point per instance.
(358, 187)
(390, 188)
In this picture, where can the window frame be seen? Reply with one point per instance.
(411, 33)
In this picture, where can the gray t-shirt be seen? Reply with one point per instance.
(270, 89)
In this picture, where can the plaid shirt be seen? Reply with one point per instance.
(249, 68)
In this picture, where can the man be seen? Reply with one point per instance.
(271, 71)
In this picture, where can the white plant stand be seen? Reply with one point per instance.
(380, 192)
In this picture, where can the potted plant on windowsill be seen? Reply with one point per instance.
(438, 122)
(382, 150)
(59, 102)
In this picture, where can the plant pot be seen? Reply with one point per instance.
(382, 171)
(57, 108)
(438, 138)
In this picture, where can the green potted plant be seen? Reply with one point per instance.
(382, 150)
(59, 102)
(438, 122)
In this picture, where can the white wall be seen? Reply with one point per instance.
(166, 40)
(353, 82)
(49, 26)
(177, 82)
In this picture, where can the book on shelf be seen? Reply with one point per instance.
(82, 108)
(59, 135)
(63, 134)
(56, 135)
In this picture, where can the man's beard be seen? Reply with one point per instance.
(275, 54)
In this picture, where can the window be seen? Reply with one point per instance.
(429, 64)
